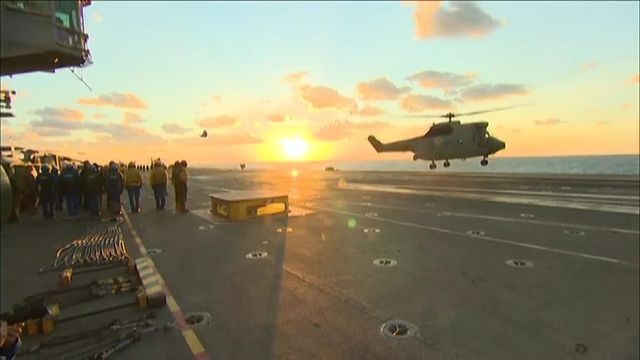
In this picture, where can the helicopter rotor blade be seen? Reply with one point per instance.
(425, 116)
(489, 110)
(429, 116)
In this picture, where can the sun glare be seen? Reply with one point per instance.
(295, 148)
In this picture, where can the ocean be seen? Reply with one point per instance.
(586, 165)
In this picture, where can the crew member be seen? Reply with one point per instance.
(83, 184)
(47, 186)
(70, 183)
(93, 188)
(98, 169)
(114, 188)
(30, 199)
(10, 342)
(104, 173)
(59, 195)
(15, 204)
(179, 179)
(133, 183)
(158, 181)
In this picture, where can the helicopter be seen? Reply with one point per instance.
(448, 140)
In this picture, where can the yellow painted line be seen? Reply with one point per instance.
(171, 303)
(145, 272)
(154, 289)
(192, 341)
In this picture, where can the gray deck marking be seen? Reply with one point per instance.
(496, 218)
(541, 201)
(487, 238)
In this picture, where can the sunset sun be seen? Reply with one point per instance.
(295, 148)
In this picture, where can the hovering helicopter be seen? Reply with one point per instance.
(448, 140)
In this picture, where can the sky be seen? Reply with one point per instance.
(285, 81)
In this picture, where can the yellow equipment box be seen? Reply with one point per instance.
(242, 205)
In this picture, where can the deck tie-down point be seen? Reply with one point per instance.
(385, 262)
(519, 263)
(398, 329)
(256, 255)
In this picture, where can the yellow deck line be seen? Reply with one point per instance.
(194, 343)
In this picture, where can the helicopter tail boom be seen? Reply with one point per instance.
(394, 146)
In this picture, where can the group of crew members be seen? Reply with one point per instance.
(85, 186)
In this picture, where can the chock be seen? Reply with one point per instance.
(65, 277)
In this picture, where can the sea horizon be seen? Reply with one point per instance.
(623, 164)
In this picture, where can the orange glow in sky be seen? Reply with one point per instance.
(278, 97)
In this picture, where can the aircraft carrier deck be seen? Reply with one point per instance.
(318, 295)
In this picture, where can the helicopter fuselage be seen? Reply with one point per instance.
(447, 141)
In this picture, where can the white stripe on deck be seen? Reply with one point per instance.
(489, 217)
(483, 237)
(549, 202)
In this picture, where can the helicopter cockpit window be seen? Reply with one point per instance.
(439, 130)
(486, 136)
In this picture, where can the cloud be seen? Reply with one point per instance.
(217, 121)
(458, 19)
(325, 98)
(603, 122)
(380, 89)
(60, 113)
(132, 118)
(482, 92)
(126, 100)
(59, 124)
(635, 79)
(441, 80)
(369, 111)
(98, 116)
(589, 65)
(62, 121)
(550, 121)
(276, 118)
(124, 132)
(212, 99)
(97, 17)
(343, 129)
(417, 103)
(295, 77)
(174, 128)
(44, 131)
(233, 139)
(55, 120)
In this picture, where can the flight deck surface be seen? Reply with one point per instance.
(317, 293)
